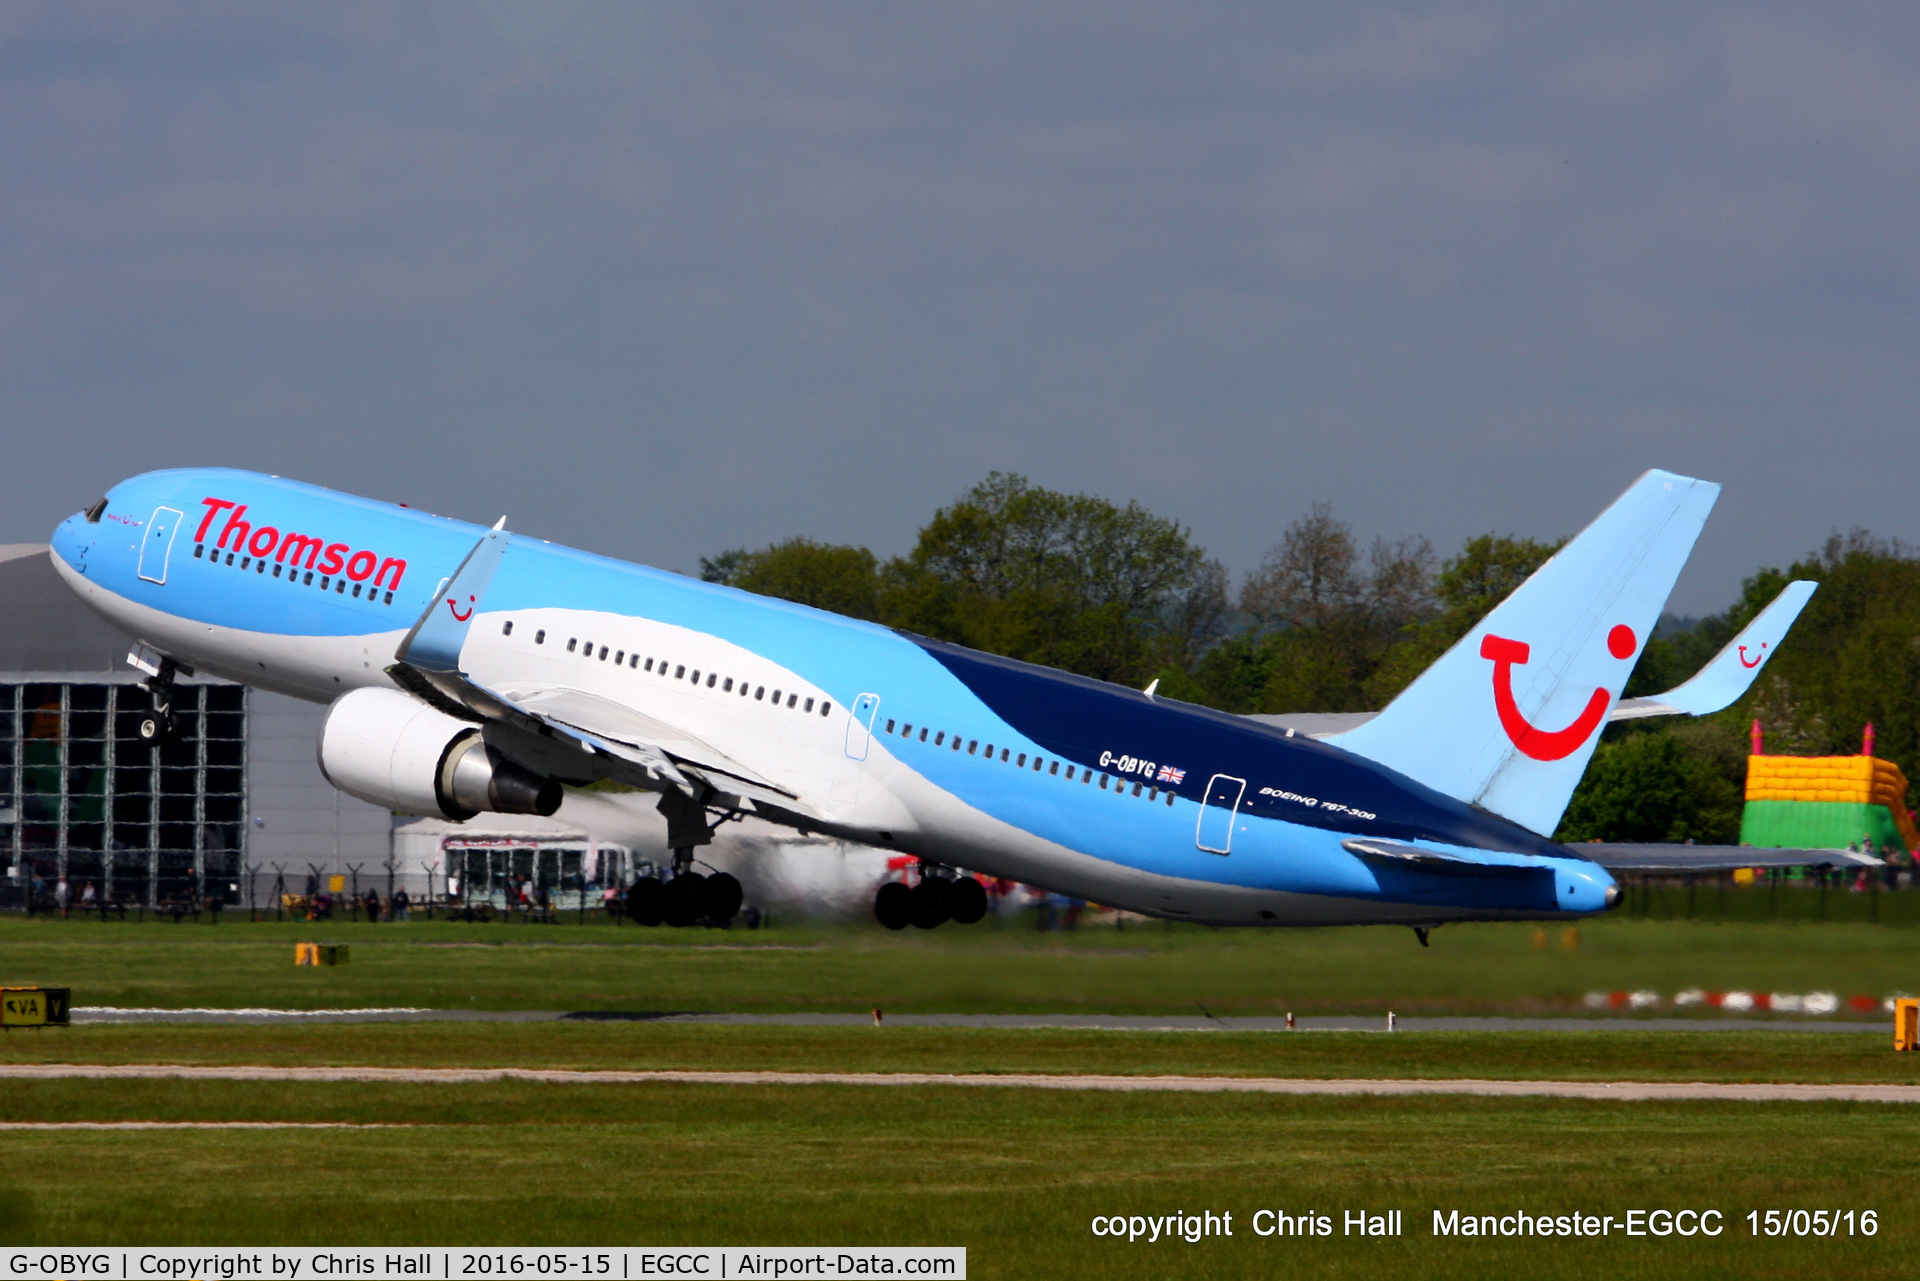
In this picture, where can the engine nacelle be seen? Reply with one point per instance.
(393, 750)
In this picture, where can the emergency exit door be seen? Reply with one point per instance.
(156, 544)
(1214, 833)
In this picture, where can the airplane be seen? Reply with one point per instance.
(470, 670)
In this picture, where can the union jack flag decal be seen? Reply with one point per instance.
(1168, 774)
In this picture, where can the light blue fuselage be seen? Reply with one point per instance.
(306, 591)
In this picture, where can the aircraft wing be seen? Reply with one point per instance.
(1680, 859)
(1730, 672)
(632, 747)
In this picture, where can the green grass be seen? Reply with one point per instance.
(1623, 1055)
(1015, 1176)
(1473, 969)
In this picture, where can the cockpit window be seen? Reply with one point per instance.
(94, 512)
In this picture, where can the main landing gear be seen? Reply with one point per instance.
(935, 899)
(688, 898)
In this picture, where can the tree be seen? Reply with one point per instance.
(844, 580)
(1660, 783)
(1068, 580)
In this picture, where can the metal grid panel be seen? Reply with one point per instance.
(90, 804)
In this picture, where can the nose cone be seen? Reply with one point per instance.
(73, 538)
(1613, 895)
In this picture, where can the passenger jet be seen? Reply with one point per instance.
(472, 670)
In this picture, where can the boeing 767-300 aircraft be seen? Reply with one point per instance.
(469, 669)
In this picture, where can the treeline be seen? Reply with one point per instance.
(1327, 624)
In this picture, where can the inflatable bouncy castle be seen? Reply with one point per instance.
(1826, 802)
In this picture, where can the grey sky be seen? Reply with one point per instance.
(658, 280)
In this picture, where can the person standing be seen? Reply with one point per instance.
(400, 906)
(62, 895)
(372, 904)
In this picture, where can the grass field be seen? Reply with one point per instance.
(1015, 1175)
(1475, 969)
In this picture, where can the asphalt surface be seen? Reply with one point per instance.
(1618, 1090)
(1075, 1022)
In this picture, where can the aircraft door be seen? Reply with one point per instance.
(860, 726)
(1214, 832)
(157, 545)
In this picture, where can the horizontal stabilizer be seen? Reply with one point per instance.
(1733, 670)
(1680, 859)
(1418, 858)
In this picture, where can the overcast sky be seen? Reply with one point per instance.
(659, 280)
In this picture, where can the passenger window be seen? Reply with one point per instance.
(276, 570)
(340, 588)
(603, 653)
(938, 739)
(793, 700)
(229, 558)
(1153, 794)
(245, 561)
(633, 661)
(1136, 789)
(388, 600)
(971, 746)
(540, 637)
(199, 550)
(572, 643)
(711, 678)
(759, 693)
(956, 742)
(1103, 782)
(989, 751)
(1086, 776)
(809, 707)
(1055, 769)
(728, 687)
(776, 698)
(506, 628)
(356, 591)
(619, 658)
(1069, 773)
(1169, 800)
(923, 735)
(1003, 756)
(308, 580)
(889, 727)
(826, 706)
(679, 672)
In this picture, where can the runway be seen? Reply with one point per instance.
(1062, 1022)
(1623, 1091)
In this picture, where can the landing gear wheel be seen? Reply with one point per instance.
(646, 901)
(155, 728)
(929, 903)
(720, 898)
(683, 898)
(893, 906)
(966, 901)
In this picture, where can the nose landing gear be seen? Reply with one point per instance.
(158, 727)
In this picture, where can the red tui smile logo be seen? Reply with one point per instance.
(1758, 659)
(455, 609)
(1544, 744)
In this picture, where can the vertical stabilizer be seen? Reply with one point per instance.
(1508, 718)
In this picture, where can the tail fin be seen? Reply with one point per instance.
(1507, 719)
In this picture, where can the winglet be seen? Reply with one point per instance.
(435, 642)
(1732, 671)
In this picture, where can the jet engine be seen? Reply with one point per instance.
(393, 750)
